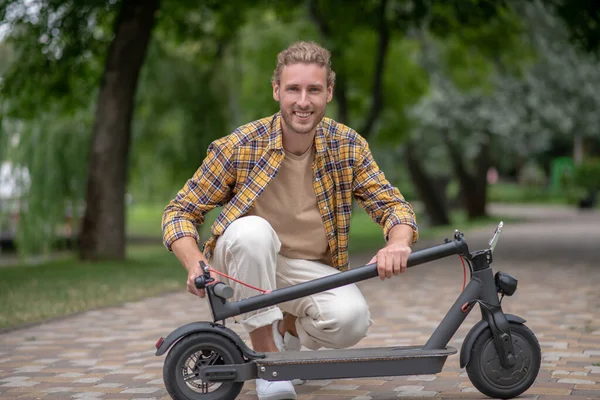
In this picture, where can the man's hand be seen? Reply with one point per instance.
(190, 256)
(391, 260)
(193, 273)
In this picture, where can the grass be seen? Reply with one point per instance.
(144, 219)
(507, 192)
(65, 286)
(34, 293)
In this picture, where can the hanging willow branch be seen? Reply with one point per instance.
(53, 149)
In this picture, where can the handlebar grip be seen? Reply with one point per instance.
(222, 290)
(200, 282)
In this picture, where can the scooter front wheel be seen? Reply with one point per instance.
(490, 378)
(182, 366)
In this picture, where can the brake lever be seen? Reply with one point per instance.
(494, 241)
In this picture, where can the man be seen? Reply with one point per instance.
(286, 184)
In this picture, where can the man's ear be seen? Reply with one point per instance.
(329, 93)
(275, 91)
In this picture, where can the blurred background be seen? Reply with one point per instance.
(107, 107)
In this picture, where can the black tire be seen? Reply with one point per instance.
(183, 359)
(490, 378)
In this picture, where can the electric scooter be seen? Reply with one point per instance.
(502, 356)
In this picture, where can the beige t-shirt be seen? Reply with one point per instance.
(290, 205)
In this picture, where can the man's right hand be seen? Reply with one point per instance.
(194, 272)
(187, 251)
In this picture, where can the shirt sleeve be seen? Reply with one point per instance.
(210, 187)
(383, 202)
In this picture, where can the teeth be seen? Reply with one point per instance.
(302, 115)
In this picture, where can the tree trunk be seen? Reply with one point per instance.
(103, 225)
(473, 188)
(339, 91)
(433, 201)
(377, 89)
(483, 164)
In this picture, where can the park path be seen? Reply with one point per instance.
(109, 353)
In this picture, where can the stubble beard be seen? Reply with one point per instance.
(288, 118)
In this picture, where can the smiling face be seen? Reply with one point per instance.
(303, 94)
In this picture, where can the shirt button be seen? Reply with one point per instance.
(325, 208)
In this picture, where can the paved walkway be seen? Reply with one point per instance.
(109, 354)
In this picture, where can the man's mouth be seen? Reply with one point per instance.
(302, 115)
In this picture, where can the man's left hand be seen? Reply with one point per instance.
(391, 260)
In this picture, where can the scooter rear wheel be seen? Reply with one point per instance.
(490, 378)
(182, 365)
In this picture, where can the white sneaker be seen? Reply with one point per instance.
(277, 390)
(287, 342)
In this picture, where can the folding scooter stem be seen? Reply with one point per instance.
(223, 309)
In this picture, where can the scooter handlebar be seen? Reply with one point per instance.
(222, 290)
(456, 246)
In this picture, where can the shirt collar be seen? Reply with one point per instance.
(276, 138)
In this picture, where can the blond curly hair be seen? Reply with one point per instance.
(307, 53)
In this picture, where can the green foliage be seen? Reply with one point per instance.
(532, 174)
(60, 47)
(405, 82)
(54, 151)
(582, 19)
(493, 43)
(252, 59)
(180, 109)
(587, 174)
(49, 91)
(510, 192)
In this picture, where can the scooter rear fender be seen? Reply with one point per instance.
(163, 345)
(467, 345)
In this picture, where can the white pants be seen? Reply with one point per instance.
(249, 251)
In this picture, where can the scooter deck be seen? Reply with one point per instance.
(352, 363)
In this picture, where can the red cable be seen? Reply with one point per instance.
(238, 281)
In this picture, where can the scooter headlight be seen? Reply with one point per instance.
(505, 283)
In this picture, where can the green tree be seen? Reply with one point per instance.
(103, 228)
(76, 56)
(582, 19)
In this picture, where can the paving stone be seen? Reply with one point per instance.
(24, 383)
(576, 381)
(409, 388)
(141, 390)
(87, 380)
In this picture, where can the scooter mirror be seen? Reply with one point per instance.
(496, 236)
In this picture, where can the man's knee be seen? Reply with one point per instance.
(251, 233)
(353, 321)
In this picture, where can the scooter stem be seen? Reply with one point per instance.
(222, 309)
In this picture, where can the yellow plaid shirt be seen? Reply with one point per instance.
(239, 166)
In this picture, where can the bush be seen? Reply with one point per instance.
(587, 175)
(532, 174)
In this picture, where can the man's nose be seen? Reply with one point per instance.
(303, 101)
